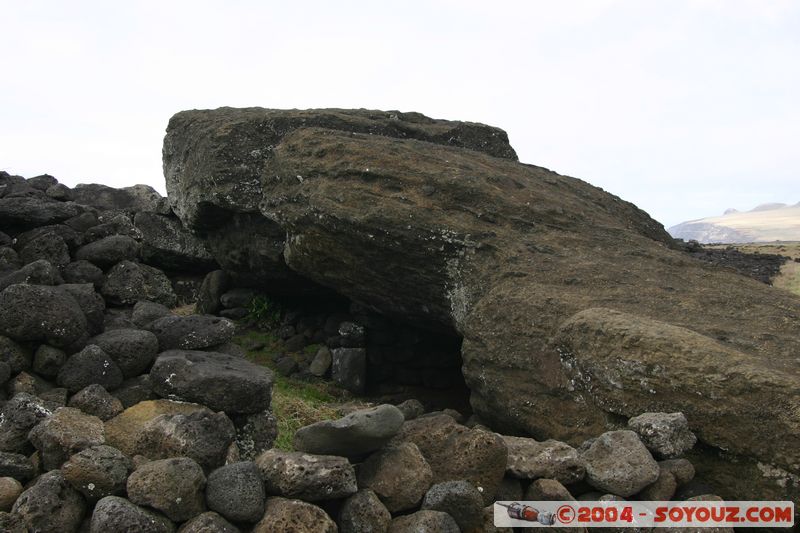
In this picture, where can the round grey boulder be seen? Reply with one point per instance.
(399, 475)
(83, 272)
(50, 505)
(89, 366)
(459, 499)
(173, 486)
(360, 432)
(236, 491)
(363, 512)
(98, 471)
(618, 462)
(113, 513)
(128, 282)
(133, 350)
(109, 251)
(145, 313)
(208, 522)
(41, 313)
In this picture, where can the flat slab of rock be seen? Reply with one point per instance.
(305, 476)
(357, 433)
(192, 332)
(220, 381)
(531, 459)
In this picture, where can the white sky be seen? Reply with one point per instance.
(682, 107)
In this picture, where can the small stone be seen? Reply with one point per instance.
(399, 476)
(109, 251)
(424, 521)
(50, 505)
(97, 401)
(236, 491)
(363, 512)
(662, 489)
(208, 522)
(349, 369)
(360, 432)
(682, 469)
(65, 433)
(112, 514)
(192, 332)
(509, 490)
(286, 366)
(460, 499)
(295, 516)
(308, 477)
(15, 356)
(98, 472)
(411, 409)
(145, 313)
(214, 286)
(173, 486)
(665, 434)
(135, 390)
(17, 417)
(10, 489)
(321, 363)
(238, 297)
(543, 490)
(17, 466)
(83, 272)
(89, 366)
(48, 360)
(255, 433)
(133, 350)
(618, 462)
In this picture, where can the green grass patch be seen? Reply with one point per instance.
(295, 403)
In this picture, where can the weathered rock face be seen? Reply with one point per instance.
(569, 299)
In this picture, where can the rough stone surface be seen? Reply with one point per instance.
(363, 512)
(83, 272)
(456, 452)
(665, 434)
(460, 499)
(145, 313)
(166, 244)
(51, 505)
(109, 251)
(618, 462)
(321, 363)
(33, 212)
(88, 367)
(131, 199)
(15, 356)
(236, 491)
(91, 303)
(307, 477)
(173, 486)
(411, 409)
(133, 350)
(39, 313)
(18, 416)
(480, 244)
(12, 523)
(128, 282)
(17, 466)
(359, 432)
(214, 286)
(399, 475)
(39, 272)
(201, 435)
(547, 490)
(682, 469)
(50, 247)
(349, 369)
(97, 401)
(282, 514)
(97, 472)
(255, 433)
(113, 513)
(66, 432)
(135, 390)
(425, 520)
(220, 381)
(124, 430)
(208, 522)
(531, 459)
(10, 489)
(192, 332)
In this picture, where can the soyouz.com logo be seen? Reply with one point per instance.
(644, 514)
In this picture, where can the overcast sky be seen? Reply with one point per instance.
(682, 107)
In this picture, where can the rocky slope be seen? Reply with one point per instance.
(569, 300)
(117, 414)
(764, 223)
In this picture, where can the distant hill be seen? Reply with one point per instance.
(765, 223)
